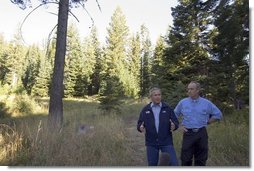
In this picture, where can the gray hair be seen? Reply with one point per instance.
(152, 90)
(197, 84)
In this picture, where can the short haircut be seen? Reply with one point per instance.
(152, 90)
(197, 84)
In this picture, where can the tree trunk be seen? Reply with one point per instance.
(55, 118)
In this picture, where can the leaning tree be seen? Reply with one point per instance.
(55, 117)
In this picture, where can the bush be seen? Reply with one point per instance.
(3, 110)
(111, 95)
(4, 89)
(21, 105)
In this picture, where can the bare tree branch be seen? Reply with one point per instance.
(49, 38)
(20, 29)
(98, 5)
(89, 15)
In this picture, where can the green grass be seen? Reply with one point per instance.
(114, 141)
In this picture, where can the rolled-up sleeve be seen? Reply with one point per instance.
(178, 109)
(215, 112)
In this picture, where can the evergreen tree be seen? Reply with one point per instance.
(43, 80)
(134, 64)
(157, 62)
(145, 68)
(31, 65)
(3, 59)
(115, 70)
(191, 34)
(95, 64)
(91, 57)
(15, 62)
(232, 49)
(110, 99)
(73, 64)
(188, 53)
(42, 83)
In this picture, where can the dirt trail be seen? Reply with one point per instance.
(137, 140)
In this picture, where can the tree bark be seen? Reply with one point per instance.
(55, 118)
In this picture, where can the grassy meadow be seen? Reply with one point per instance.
(111, 140)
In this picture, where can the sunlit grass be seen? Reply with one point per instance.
(114, 141)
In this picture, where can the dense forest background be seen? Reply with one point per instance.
(208, 42)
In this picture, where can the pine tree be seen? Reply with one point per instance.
(96, 63)
(146, 56)
(134, 64)
(188, 53)
(232, 50)
(15, 62)
(32, 65)
(42, 83)
(91, 57)
(115, 70)
(191, 36)
(3, 59)
(43, 80)
(110, 99)
(157, 62)
(73, 64)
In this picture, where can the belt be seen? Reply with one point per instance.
(195, 129)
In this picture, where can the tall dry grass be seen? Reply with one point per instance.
(25, 140)
(105, 145)
(228, 141)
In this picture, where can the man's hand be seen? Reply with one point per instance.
(211, 120)
(172, 125)
(142, 127)
(182, 128)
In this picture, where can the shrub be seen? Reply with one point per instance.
(3, 110)
(4, 89)
(21, 105)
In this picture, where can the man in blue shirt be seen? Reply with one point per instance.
(157, 120)
(197, 113)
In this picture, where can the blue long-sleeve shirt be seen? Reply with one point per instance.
(196, 113)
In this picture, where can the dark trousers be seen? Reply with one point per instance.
(195, 144)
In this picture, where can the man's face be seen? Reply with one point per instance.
(193, 92)
(156, 96)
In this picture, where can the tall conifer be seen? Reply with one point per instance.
(115, 70)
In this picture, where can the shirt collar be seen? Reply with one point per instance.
(194, 100)
(154, 105)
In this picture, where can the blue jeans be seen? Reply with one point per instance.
(153, 154)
